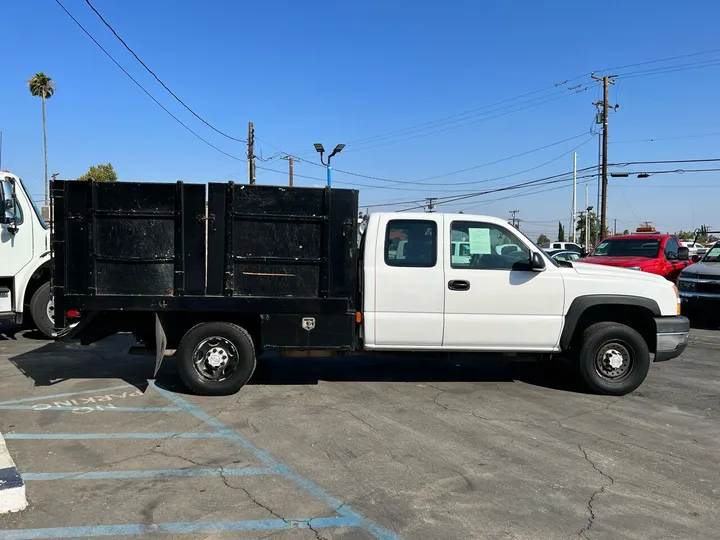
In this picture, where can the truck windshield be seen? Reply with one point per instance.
(630, 247)
(36, 208)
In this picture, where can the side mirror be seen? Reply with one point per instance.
(683, 254)
(696, 258)
(537, 263)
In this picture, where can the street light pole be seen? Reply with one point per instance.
(321, 150)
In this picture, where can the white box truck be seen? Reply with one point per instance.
(24, 258)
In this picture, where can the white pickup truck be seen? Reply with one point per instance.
(24, 258)
(262, 267)
(608, 319)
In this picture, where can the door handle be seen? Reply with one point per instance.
(459, 285)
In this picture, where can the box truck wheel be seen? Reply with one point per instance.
(42, 309)
(216, 358)
(612, 358)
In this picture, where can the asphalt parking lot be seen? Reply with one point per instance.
(357, 448)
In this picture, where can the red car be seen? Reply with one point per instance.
(652, 252)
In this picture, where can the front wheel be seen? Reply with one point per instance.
(42, 310)
(216, 358)
(612, 359)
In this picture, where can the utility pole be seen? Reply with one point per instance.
(607, 81)
(290, 160)
(513, 220)
(573, 214)
(251, 154)
(615, 227)
(587, 220)
(431, 203)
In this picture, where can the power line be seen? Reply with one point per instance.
(654, 139)
(107, 24)
(470, 122)
(670, 69)
(659, 60)
(423, 180)
(664, 161)
(440, 120)
(142, 87)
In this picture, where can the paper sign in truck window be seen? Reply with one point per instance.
(480, 241)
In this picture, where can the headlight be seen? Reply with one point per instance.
(685, 285)
(634, 268)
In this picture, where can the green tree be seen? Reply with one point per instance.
(703, 233)
(561, 232)
(100, 173)
(42, 86)
(626, 232)
(542, 240)
(685, 235)
(593, 229)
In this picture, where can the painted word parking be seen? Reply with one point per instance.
(253, 469)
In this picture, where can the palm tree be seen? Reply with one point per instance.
(42, 86)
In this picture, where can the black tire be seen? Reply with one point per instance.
(39, 310)
(599, 349)
(223, 340)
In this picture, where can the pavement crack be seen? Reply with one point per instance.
(318, 536)
(253, 499)
(582, 533)
(436, 402)
(355, 416)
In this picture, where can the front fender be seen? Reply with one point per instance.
(582, 303)
(23, 277)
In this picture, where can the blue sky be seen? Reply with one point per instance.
(335, 72)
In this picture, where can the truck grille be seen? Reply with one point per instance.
(713, 288)
(708, 276)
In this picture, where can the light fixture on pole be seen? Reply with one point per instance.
(321, 150)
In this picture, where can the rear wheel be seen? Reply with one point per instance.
(612, 359)
(42, 309)
(216, 358)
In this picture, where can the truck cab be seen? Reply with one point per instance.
(24, 257)
(510, 299)
(646, 251)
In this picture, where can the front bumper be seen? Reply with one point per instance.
(673, 334)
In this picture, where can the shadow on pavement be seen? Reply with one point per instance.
(13, 332)
(274, 370)
(55, 362)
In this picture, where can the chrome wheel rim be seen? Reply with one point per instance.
(50, 310)
(614, 361)
(215, 358)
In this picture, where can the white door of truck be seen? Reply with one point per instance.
(409, 278)
(16, 237)
(493, 300)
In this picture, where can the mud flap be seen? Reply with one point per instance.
(160, 344)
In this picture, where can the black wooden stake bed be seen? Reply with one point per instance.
(280, 264)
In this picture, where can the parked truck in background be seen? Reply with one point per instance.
(269, 268)
(646, 251)
(24, 258)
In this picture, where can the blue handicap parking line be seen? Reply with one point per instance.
(345, 516)
(160, 473)
(178, 528)
(87, 408)
(66, 394)
(76, 436)
(304, 483)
